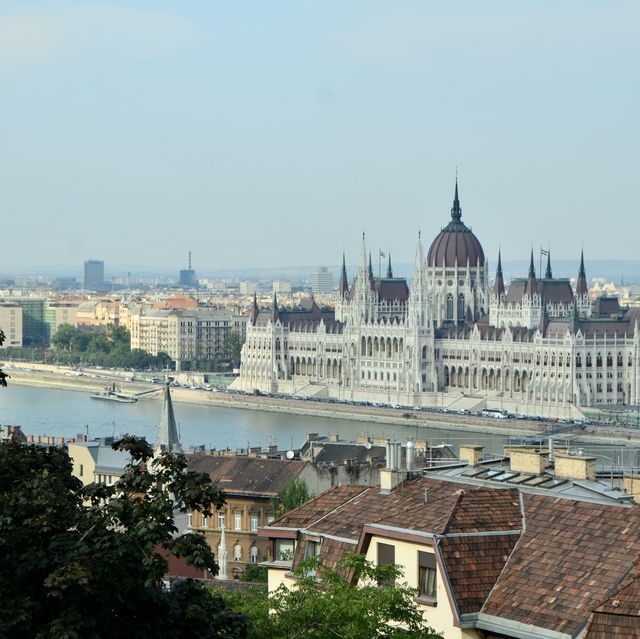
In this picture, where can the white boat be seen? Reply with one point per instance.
(113, 394)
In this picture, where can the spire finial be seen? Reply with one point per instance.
(548, 274)
(389, 270)
(456, 211)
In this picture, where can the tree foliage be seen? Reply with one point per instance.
(294, 494)
(330, 607)
(88, 561)
(233, 348)
(111, 348)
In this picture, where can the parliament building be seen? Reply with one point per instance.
(450, 339)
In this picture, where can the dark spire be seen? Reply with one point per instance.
(574, 319)
(581, 285)
(343, 287)
(532, 284)
(389, 270)
(254, 310)
(456, 211)
(498, 287)
(274, 309)
(167, 432)
(548, 274)
(370, 270)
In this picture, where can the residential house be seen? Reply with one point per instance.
(492, 562)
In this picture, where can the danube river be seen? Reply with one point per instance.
(46, 411)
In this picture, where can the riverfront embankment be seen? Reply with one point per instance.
(94, 380)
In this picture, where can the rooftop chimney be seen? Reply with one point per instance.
(527, 460)
(575, 466)
(471, 454)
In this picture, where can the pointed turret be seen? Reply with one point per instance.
(581, 285)
(574, 320)
(343, 286)
(498, 287)
(532, 283)
(548, 275)
(456, 211)
(389, 269)
(254, 310)
(363, 257)
(223, 574)
(167, 432)
(370, 270)
(275, 314)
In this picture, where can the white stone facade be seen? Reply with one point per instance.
(537, 348)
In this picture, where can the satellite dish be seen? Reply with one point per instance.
(290, 454)
(367, 445)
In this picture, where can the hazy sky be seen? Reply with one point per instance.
(272, 133)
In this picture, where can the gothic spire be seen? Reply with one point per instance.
(343, 287)
(167, 432)
(498, 287)
(274, 309)
(370, 270)
(532, 284)
(456, 211)
(363, 257)
(581, 285)
(548, 275)
(389, 270)
(254, 310)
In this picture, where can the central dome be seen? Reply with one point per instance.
(455, 244)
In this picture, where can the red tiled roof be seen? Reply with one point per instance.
(473, 565)
(569, 555)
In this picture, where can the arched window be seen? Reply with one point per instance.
(450, 307)
(237, 552)
(254, 554)
(461, 307)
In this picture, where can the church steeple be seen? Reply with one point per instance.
(389, 269)
(498, 287)
(343, 286)
(370, 270)
(548, 275)
(532, 283)
(167, 432)
(456, 211)
(581, 285)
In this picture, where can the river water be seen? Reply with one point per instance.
(46, 411)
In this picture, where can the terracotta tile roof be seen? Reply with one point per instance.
(567, 558)
(473, 565)
(486, 509)
(618, 616)
(314, 509)
(608, 626)
(246, 475)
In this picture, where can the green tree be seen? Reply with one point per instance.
(294, 494)
(255, 573)
(325, 604)
(233, 348)
(88, 561)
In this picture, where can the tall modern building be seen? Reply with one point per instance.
(188, 277)
(537, 346)
(94, 275)
(322, 280)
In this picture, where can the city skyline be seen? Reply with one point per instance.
(273, 135)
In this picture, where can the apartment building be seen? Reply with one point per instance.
(11, 324)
